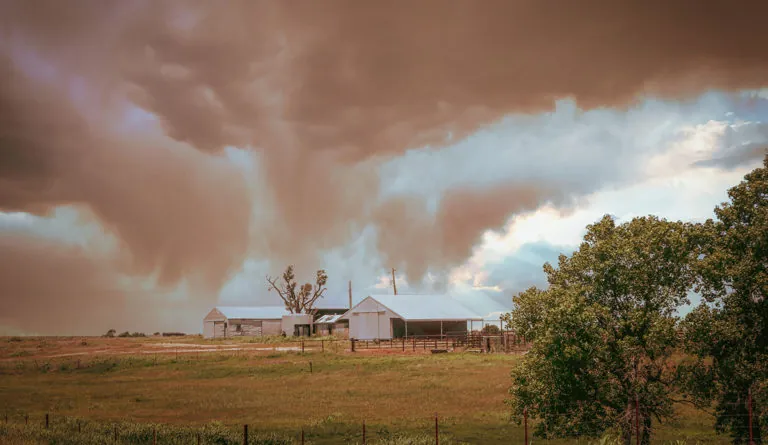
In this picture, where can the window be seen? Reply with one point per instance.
(238, 328)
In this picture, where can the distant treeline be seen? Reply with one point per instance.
(111, 333)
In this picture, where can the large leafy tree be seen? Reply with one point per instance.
(729, 331)
(604, 331)
(301, 300)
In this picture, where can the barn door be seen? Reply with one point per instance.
(368, 326)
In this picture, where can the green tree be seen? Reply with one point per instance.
(301, 301)
(604, 331)
(729, 331)
(530, 307)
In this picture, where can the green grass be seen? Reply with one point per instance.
(396, 396)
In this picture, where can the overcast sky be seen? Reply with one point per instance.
(159, 158)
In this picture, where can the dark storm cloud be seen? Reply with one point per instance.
(322, 91)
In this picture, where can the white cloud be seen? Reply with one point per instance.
(672, 188)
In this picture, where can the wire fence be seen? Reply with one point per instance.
(432, 429)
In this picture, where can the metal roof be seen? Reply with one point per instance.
(428, 307)
(332, 318)
(254, 312)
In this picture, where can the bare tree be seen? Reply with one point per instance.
(299, 301)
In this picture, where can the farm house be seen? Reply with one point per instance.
(232, 321)
(398, 316)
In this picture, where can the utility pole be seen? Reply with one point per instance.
(350, 294)
(394, 283)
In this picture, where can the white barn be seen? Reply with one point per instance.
(397, 316)
(234, 321)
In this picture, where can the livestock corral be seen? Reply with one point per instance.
(176, 389)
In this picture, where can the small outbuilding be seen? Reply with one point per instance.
(398, 316)
(331, 325)
(243, 321)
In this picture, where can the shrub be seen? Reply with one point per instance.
(491, 329)
(124, 334)
(14, 339)
(110, 333)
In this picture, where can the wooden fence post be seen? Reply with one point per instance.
(154, 436)
(322, 345)
(26, 419)
(115, 433)
(637, 419)
(749, 410)
(363, 431)
(437, 432)
(46, 420)
(245, 434)
(302, 436)
(525, 419)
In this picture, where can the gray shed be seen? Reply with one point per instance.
(237, 321)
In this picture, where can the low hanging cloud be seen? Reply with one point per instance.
(325, 94)
(175, 210)
(409, 237)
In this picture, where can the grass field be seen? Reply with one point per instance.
(275, 392)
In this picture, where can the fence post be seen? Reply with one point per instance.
(154, 436)
(322, 345)
(310, 367)
(525, 419)
(26, 419)
(637, 419)
(302, 436)
(353, 345)
(437, 431)
(198, 438)
(363, 431)
(46, 420)
(749, 409)
(302, 346)
(245, 434)
(115, 433)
